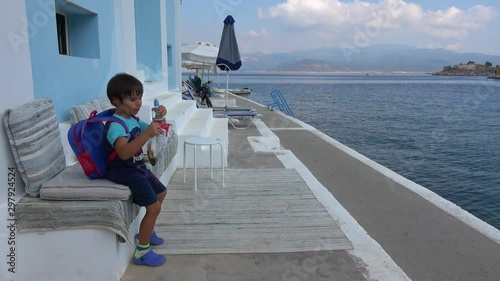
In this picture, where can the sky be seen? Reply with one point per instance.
(271, 26)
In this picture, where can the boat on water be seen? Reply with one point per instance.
(242, 91)
(236, 91)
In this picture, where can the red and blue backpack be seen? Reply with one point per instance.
(86, 138)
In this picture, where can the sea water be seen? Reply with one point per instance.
(441, 132)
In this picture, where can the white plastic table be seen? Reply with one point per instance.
(203, 141)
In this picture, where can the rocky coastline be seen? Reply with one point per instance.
(469, 69)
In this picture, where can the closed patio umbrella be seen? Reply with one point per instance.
(228, 57)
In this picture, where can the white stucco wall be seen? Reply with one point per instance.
(177, 45)
(17, 88)
(163, 27)
(125, 37)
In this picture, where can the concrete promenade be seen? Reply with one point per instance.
(396, 233)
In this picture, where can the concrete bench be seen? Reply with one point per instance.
(86, 213)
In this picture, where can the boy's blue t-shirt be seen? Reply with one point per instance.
(116, 130)
(131, 169)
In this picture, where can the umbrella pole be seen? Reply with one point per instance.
(227, 85)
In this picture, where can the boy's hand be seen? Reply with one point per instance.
(153, 129)
(162, 110)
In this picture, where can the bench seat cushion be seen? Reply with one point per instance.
(72, 184)
(35, 141)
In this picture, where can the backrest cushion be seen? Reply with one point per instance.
(104, 104)
(35, 141)
(82, 111)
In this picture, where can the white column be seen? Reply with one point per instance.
(164, 55)
(126, 54)
(17, 89)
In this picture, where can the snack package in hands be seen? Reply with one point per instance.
(157, 145)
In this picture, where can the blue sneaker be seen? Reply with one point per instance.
(150, 259)
(155, 240)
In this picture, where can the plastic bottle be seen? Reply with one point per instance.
(156, 109)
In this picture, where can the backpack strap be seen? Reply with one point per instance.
(106, 116)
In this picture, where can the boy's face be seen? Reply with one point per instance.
(130, 105)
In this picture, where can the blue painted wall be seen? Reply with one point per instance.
(70, 80)
(84, 38)
(148, 38)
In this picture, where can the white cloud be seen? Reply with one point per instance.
(312, 13)
(394, 15)
(249, 41)
(455, 23)
(262, 32)
(260, 13)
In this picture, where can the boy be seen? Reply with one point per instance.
(128, 168)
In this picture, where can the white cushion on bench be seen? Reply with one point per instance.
(72, 184)
(35, 141)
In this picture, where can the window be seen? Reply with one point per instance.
(77, 30)
(62, 33)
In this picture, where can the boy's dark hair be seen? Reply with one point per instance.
(123, 85)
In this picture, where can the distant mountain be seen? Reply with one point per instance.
(309, 64)
(380, 58)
